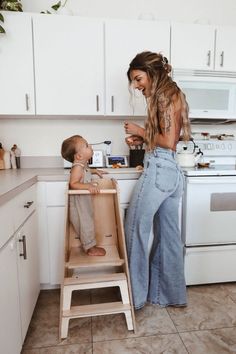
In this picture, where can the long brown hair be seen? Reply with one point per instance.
(163, 88)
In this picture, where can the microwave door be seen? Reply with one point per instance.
(209, 99)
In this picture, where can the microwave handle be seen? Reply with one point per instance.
(208, 58)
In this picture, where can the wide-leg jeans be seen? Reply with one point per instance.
(157, 275)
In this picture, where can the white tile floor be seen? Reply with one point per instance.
(206, 326)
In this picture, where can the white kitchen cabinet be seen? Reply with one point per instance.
(203, 47)
(69, 65)
(51, 215)
(123, 40)
(192, 46)
(10, 333)
(19, 277)
(225, 53)
(16, 69)
(56, 233)
(28, 270)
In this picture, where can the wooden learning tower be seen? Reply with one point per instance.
(90, 272)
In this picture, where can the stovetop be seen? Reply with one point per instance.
(221, 155)
(214, 170)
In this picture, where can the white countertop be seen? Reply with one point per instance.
(13, 182)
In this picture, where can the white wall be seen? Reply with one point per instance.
(37, 137)
(43, 137)
(204, 11)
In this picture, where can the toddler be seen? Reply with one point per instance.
(76, 150)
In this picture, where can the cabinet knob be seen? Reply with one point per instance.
(97, 103)
(28, 204)
(27, 102)
(222, 58)
(23, 240)
(208, 58)
(112, 103)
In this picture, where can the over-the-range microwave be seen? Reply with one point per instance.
(210, 94)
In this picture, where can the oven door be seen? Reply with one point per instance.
(209, 211)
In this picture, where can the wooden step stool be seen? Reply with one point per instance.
(92, 272)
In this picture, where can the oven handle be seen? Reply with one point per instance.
(210, 180)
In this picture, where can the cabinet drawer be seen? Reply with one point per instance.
(55, 193)
(24, 204)
(126, 187)
(214, 264)
(6, 222)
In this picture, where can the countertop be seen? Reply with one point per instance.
(13, 182)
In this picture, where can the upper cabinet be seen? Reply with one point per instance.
(76, 66)
(225, 54)
(192, 46)
(123, 40)
(203, 47)
(69, 65)
(16, 69)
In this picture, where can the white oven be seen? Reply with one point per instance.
(209, 217)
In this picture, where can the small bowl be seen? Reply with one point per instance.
(203, 164)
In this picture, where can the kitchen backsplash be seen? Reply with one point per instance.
(40, 140)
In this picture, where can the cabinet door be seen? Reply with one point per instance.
(192, 46)
(69, 65)
(28, 270)
(225, 50)
(16, 69)
(55, 221)
(123, 40)
(10, 333)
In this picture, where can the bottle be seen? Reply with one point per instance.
(17, 153)
(7, 160)
(2, 165)
(13, 159)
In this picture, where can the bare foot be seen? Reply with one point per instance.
(96, 251)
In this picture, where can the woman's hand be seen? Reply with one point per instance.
(134, 140)
(134, 129)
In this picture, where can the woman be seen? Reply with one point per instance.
(157, 276)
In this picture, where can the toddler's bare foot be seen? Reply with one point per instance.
(96, 251)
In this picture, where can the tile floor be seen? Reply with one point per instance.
(206, 326)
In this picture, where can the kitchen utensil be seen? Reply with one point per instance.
(136, 157)
(187, 158)
(203, 164)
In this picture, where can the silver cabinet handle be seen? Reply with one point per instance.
(222, 58)
(112, 103)
(97, 103)
(28, 204)
(23, 240)
(27, 102)
(208, 58)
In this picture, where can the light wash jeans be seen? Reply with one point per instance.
(157, 277)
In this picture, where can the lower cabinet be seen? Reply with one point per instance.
(19, 271)
(28, 270)
(55, 223)
(51, 216)
(10, 321)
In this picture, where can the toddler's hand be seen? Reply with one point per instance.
(100, 173)
(93, 188)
